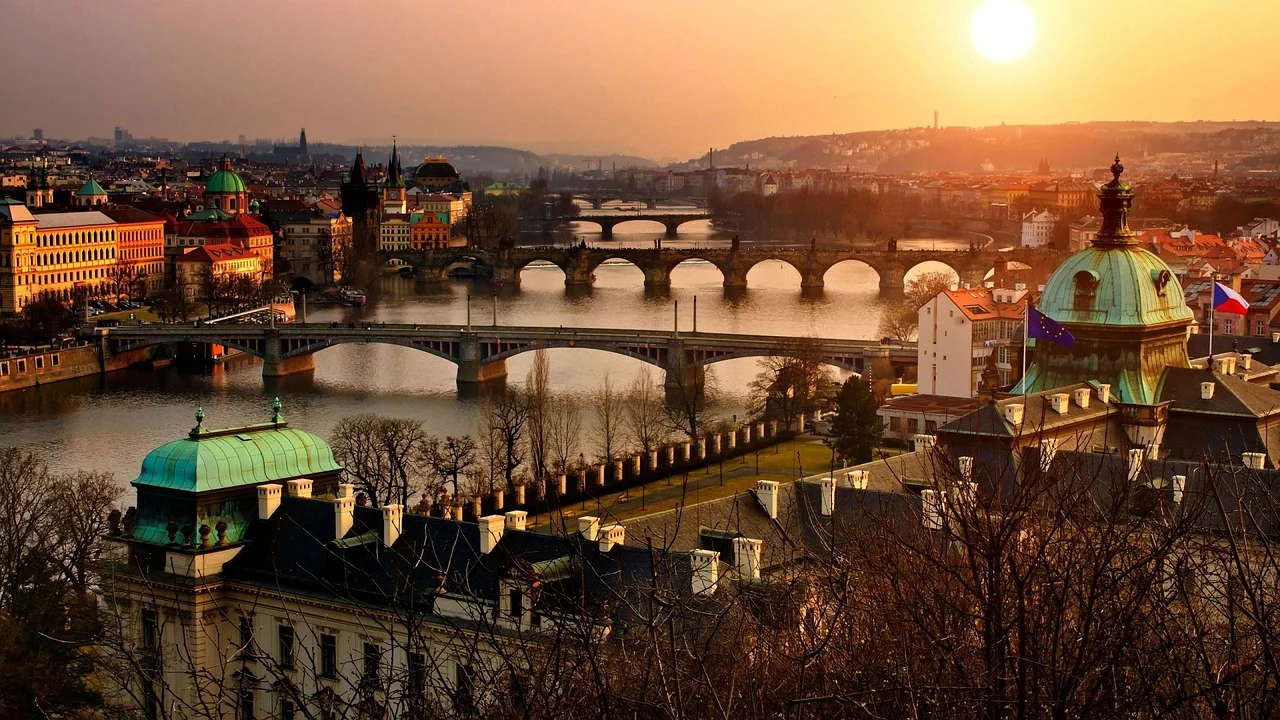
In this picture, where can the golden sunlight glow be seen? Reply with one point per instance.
(1003, 30)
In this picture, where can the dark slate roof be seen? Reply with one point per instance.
(1261, 347)
(1258, 371)
(1232, 395)
(1038, 416)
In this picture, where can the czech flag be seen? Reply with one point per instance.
(1228, 301)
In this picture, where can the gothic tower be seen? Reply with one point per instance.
(394, 200)
(360, 203)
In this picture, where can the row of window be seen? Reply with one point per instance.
(75, 238)
(20, 365)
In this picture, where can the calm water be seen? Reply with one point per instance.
(110, 423)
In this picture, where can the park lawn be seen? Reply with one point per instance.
(778, 462)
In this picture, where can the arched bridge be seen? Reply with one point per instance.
(481, 352)
(579, 264)
(609, 220)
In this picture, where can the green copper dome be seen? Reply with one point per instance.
(90, 189)
(236, 457)
(1115, 286)
(225, 180)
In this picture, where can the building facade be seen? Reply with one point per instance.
(313, 246)
(970, 340)
(141, 237)
(429, 231)
(1037, 228)
(213, 263)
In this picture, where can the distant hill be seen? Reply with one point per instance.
(1012, 148)
(491, 160)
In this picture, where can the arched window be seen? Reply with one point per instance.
(1086, 289)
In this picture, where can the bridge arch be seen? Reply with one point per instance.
(927, 265)
(656, 355)
(851, 363)
(550, 258)
(848, 270)
(696, 261)
(443, 350)
(249, 346)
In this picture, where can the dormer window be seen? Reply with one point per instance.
(1086, 289)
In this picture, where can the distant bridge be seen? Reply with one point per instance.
(480, 353)
(579, 264)
(607, 221)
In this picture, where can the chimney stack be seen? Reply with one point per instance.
(1206, 390)
(610, 536)
(1060, 402)
(1179, 487)
(1048, 449)
(746, 557)
(925, 442)
(516, 519)
(1013, 413)
(589, 527)
(300, 488)
(268, 500)
(931, 502)
(767, 493)
(1104, 393)
(1136, 456)
(1254, 460)
(828, 496)
(858, 479)
(1081, 397)
(706, 571)
(491, 527)
(392, 523)
(344, 509)
(966, 468)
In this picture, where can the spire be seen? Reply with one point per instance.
(1115, 200)
(358, 174)
(395, 175)
(302, 142)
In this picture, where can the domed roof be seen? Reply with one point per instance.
(436, 167)
(236, 457)
(1116, 282)
(90, 188)
(1117, 286)
(225, 180)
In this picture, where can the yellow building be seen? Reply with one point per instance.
(195, 269)
(140, 236)
(71, 255)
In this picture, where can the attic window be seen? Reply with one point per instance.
(1161, 280)
(244, 437)
(976, 309)
(1086, 289)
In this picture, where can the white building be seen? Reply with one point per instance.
(1037, 228)
(959, 332)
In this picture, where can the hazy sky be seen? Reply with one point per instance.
(663, 78)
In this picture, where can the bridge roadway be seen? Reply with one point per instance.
(579, 264)
(480, 352)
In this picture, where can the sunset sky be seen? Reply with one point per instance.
(661, 78)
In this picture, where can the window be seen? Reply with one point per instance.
(417, 674)
(1086, 288)
(150, 629)
(22, 366)
(246, 711)
(464, 686)
(286, 646)
(287, 709)
(39, 363)
(4, 369)
(1228, 326)
(150, 707)
(328, 656)
(1260, 328)
(895, 423)
(516, 607)
(246, 635)
(913, 425)
(372, 662)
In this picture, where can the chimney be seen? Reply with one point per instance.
(925, 442)
(706, 571)
(346, 490)
(491, 527)
(611, 535)
(1254, 460)
(268, 500)
(1246, 362)
(516, 519)
(520, 494)
(1081, 397)
(858, 479)
(1048, 449)
(1060, 402)
(1206, 390)
(1275, 337)
(828, 496)
(931, 508)
(1179, 486)
(300, 488)
(966, 468)
(1019, 287)
(589, 527)
(1136, 456)
(344, 510)
(746, 557)
(1104, 393)
(767, 494)
(392, 523)
(1013, 413)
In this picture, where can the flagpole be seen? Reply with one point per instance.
(1026, 324)
(1212, 292)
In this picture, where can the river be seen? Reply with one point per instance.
(110, 423)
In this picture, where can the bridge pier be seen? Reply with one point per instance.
(812, 282)
(657, 277)
(506, 273)
(651, 203)
(735, 280)
(673, 227)
(274, 364)
(892, 279)
(473, 369)
(606, 229)
(597, 203)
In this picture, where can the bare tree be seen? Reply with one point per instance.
(451, 458)
(609, 408)
(503, 425)
(380, 455)
(643, 416)
(538, 401)
(792, 380)
(564, 432)
(690, 401)
(901, 320)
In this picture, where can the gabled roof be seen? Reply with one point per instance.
(1231, 396)
(1038, 415)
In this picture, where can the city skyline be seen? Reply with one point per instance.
(565, 78)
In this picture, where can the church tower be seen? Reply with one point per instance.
(394, 200)
(1123, 305)
(360, 203)
(302, 143)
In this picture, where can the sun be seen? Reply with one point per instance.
(1003, 30)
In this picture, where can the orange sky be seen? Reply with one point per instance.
(662, 78)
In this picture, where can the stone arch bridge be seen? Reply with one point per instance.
(671, 221)
(579, 264)
(480, 353)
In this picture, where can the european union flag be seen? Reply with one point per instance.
(1043, 327)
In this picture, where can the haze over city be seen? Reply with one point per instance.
(663, 79)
